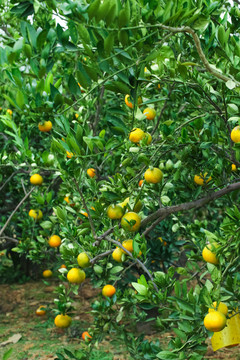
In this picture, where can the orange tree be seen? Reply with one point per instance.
(127, 110)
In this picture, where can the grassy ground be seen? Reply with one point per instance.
(40, 339)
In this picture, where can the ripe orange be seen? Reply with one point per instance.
(140, 183)
(84, 213)
(208, 255)
(36, 179)
(153, 175)
(136, 135)
(54, 241)
(108, 290)
(83, 260)
(115, 212)
(47, 273)
(62, 321)
(67, 199)
(91, 172)
(149, 138)
(36, 214)
(69, 154)
(46, 126)
(215, 321)
(117, 254)
(128, 244)
(86, 336)
(234, 168)
(131, 221)
(76, 276)
(76, 116)
(235, 134)
(129, 103)
(9, 112)
(221, 307)
(40, 311)
(63, 266)
(201, 179)
(149, 113)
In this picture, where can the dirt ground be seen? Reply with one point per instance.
(40, 339)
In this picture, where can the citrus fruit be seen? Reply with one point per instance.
(108, 290)
(149, 113)
(149, 138)
(208, 255)
(69, 154)
(36, 179)
(220, 307)
(117, 254)
(67, 199)
(153, 175)
(84, 213)
(234, 168)
(129, 103)
(140, 183)
(54, 241)
(76, 276)
(215, 321)
(163, 241)
(131, 221)
(235, 134)
(36, 214)
(76, 116)
(201, 179)
(47, 273)
(86, 336)
(62, 321)
(136, 135)
(91, 172)
(63, 266)
(115, 212)
(128, 244)
(40, 311)
(83, 260)
(9, 112)
(46, 126)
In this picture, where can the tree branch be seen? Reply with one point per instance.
(15, 210)
(106, 253)
(9, 238)
(162, 213)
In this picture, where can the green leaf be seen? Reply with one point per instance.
(167, 355)
(7, 354)
(46, 224)
(141, 289)
(73, 85)
(20, 99)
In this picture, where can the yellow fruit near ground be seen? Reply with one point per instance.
(153, 176)
(129, 103)
(83, 260)
(149, 138)
(208, 255)
(115, 212)
(136, 135)
(91, 172)
(76, 276)
(201, 179)
(235, 134)
(40, 311)
(108, 290)
(234, 168)
(36, 179)
(117, 254)
(62, 321)
(36, 214)
(215, 321)
(54, 241)
(47, 273)
(131, 221)
(149, 113)
(128, 244)
(46, 126)
(221, 307)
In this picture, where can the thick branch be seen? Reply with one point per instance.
(162, 213)
(15, 210)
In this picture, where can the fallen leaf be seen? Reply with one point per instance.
(12, 340)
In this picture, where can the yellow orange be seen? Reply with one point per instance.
(36, 214)
(153, 175)
(235, 134)
(117, 254)
(220, 307)
(76, 276)
(47, 273)
(36, 179)
(115, 212)
(131, 221)
(62, 321)
(215, 321)
(54, 241)
(46, 126)
(108, 290)
(91, 172)
(208, 255)
(136, 135)
(129, 103)
(201, 179)
(149, 113)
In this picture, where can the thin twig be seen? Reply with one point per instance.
(98, 110)
(23, 186)
(86, 208)
(15, 210)
(137, 260)
(101, 237)
(106, 253)
(9, 238)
